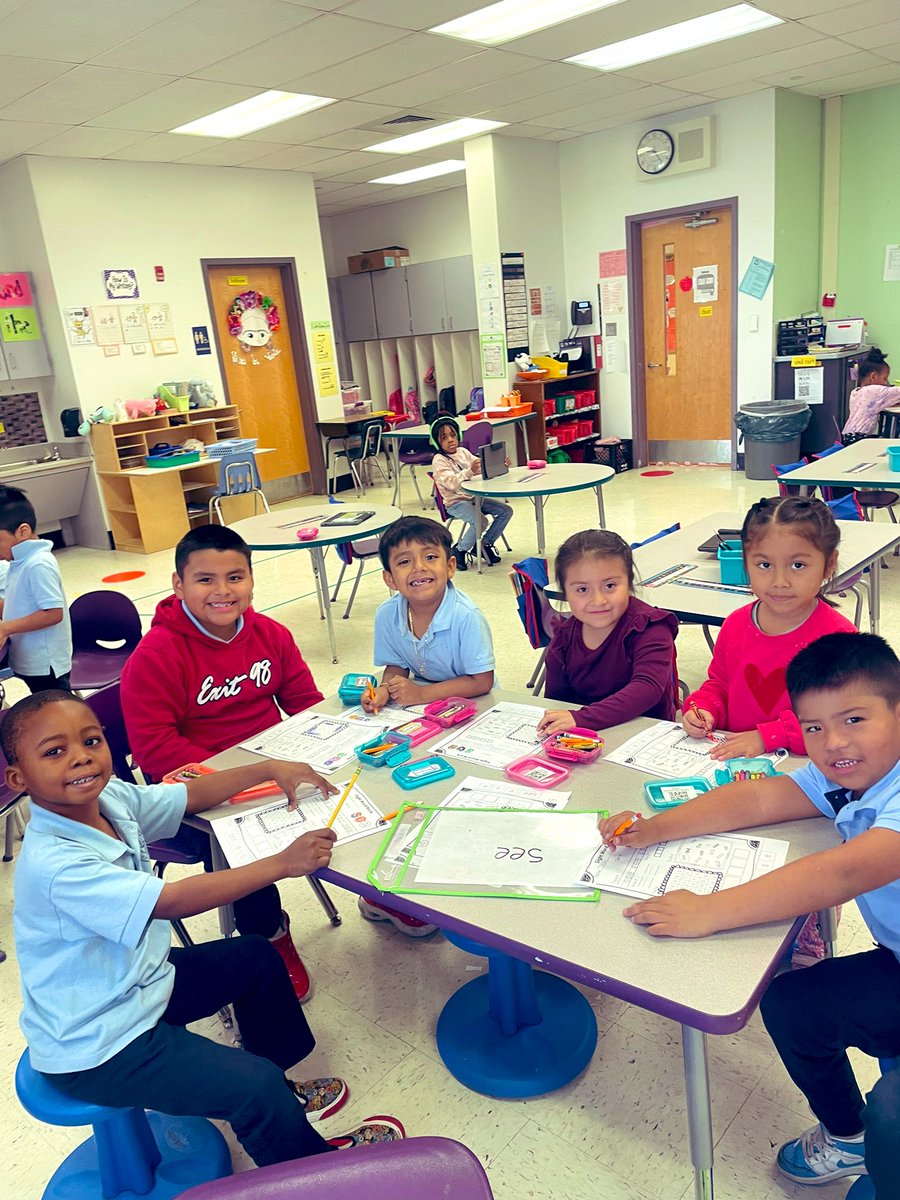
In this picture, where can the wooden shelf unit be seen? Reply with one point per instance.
(539, 390)
(148, 512)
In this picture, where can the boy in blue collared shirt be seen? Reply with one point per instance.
(34, 616)
(432, 640)
(845, 690)
(105, 997)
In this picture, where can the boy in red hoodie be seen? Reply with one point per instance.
(209, 673)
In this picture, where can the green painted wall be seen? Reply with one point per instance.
(870, 212)
(798, 204)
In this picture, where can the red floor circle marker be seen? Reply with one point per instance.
(653, 474)
(123, 576)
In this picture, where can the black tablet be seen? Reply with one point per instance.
(349, 518)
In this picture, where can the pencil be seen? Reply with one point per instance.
(347, 791)
(372, 696)
(627, 824)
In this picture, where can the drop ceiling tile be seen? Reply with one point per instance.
(875, 37)
(162, 147)
(17, 137)
(649, 113)
(292, 158)
(83, 93)
(204, 33)
(87, 141)
(861, 15)
(600, 87)
(793, 60)
(734, 51)
(77, 31)
(381, 66)
(575, 118)
(799, 77)
(175, 104)
(346, 114)
(858, 81)
(233, 152)
(891, 52)
(537, 80)
(467, 73)
(345, 139)
(410, 14)
(795, 10)
(23, 75)
(728, 91)
(320, 43)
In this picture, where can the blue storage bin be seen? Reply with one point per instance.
(353, 687)
(731, 563)
(893, 453)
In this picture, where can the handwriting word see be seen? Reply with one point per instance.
(514, 853)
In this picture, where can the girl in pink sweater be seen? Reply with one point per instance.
(871, 394)
(790, 549)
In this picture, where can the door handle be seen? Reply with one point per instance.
(650, 364)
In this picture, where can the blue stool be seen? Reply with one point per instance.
(515, 1032)
(132, 1153)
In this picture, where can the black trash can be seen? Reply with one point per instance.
(771, 432)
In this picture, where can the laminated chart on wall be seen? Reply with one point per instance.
(667, 751)
(496, 738)
(327, 743)
(247, 837)
(515, 301)
(509, 853)
(702, 865)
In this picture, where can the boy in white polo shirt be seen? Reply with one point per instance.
(845, 690)
(105, 997)
(34, 616)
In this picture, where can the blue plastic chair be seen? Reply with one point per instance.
(779, 469)
(133, 1152)
(238, 476)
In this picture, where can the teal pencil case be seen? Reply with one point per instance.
(354, 687)
(384, 750)
(737, 769)
(669, 793)
(421, 772)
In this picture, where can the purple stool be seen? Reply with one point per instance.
(418, 1169)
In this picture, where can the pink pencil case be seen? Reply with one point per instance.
(419, 730)
(451, 711)
(554, 746)
(537, 772)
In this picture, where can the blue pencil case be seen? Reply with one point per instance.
(669, 793)
(737, 769)
(421, 772)
(354, 687)
(384, 750)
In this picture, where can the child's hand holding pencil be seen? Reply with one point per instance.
(374, 699)
(698, 722)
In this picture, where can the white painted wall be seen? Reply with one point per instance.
(431, 227)
(98, 214)
(600, 187)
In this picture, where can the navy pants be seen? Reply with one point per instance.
(184, 1074)
(882, 1121)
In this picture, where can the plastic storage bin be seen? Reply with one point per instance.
(555, 746)
(353, 687)
(585, 399)
(419, 730)
(744, 768)
(538, 772)
(422, 772)
(451, 711)
(893, 453)
(669, 793)
(384, 750)
(731, 563)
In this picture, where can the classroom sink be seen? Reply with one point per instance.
(53, 477)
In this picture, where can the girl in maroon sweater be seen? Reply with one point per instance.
(615, 655)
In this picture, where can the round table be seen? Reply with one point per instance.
(552, 480)
(278, 531)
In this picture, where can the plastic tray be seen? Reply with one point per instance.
(893, 455)
(422, 772)
(669, 793)
(747, 768)
(452, 711)
(475, 416)
(553, 748)
(419, 730)
(396, 750)
(159, 462)
(537, 772)
(353, 687)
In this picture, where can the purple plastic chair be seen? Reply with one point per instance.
(412, 458)
(477, 434)
(417, 1169)
(98, 618)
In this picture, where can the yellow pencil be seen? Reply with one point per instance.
(347, 790)
(372, 696)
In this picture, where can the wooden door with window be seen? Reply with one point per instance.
(688, 337)
(251, 318)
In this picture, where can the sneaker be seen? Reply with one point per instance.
(817, 1157)
(284, 944)
(320, 1097)
(372, 1131)
(411, 926)
(461, 556)
(489, 553)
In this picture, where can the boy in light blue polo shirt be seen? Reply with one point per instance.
(105, 997)
(845, 690)
(34, 615)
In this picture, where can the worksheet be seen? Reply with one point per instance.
(248, 837)
(327, 743)
(496, 738)
(388, 717)
(667, 751)
(702, 865)
(473, 792)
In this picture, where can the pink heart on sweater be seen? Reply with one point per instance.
(768, 689)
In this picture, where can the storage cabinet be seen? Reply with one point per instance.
(543, 395)
(26, 360)
(392, 307)
(357, 307)
(459, 293)
(428, 307)
(148, 506)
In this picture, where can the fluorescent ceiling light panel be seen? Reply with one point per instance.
(436, 135)
(512, 19)
(674, 39)
(447, 167)
(258, 112)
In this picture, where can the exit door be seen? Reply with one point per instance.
(686, 359)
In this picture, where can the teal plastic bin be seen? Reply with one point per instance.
(731, 563)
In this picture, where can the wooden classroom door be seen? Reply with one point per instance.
(250, 320)
(688, 338)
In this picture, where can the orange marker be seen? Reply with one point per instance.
(696, 711)
(626, 825)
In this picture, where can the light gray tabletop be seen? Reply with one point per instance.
(862, 543)
(551, 480)
(278, 530)
(863, 464)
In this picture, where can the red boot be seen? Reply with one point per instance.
(284, 944)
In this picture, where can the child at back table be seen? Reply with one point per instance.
(451, 466)
(871, 394)
(615, 655)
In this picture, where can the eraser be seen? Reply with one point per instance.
(307, 535)
(536, 464)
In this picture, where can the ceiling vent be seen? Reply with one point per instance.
(401, 119)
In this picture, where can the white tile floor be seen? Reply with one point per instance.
(619, 1131)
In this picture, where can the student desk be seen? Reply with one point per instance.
(422, 433)
(552, 480)
(863, 543)
(278, 531)
(709, 985)
(863, 464)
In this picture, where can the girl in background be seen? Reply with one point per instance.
(871, 394)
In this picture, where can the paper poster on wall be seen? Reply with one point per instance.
(328, 380)
(488, 280)
(891, 273)
(493, 356)
(612, 263)
(164, 346)
(809, 384)
(134, 323)
(612, 296)
(15, 289)
(706, 284)
(534, 301)
(200, 334)
(515, 303)
(615, 356)
(112, 351)
(323, 344)
(139, 348)
(19, 325)
(159, 321)
(757, 278)
(79, 326)
(107, 324)
(121, 284)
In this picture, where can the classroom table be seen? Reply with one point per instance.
(863, 543)
(552, 480)
(422, 433)
(278, 531)
(708, 986)
(861, 465)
